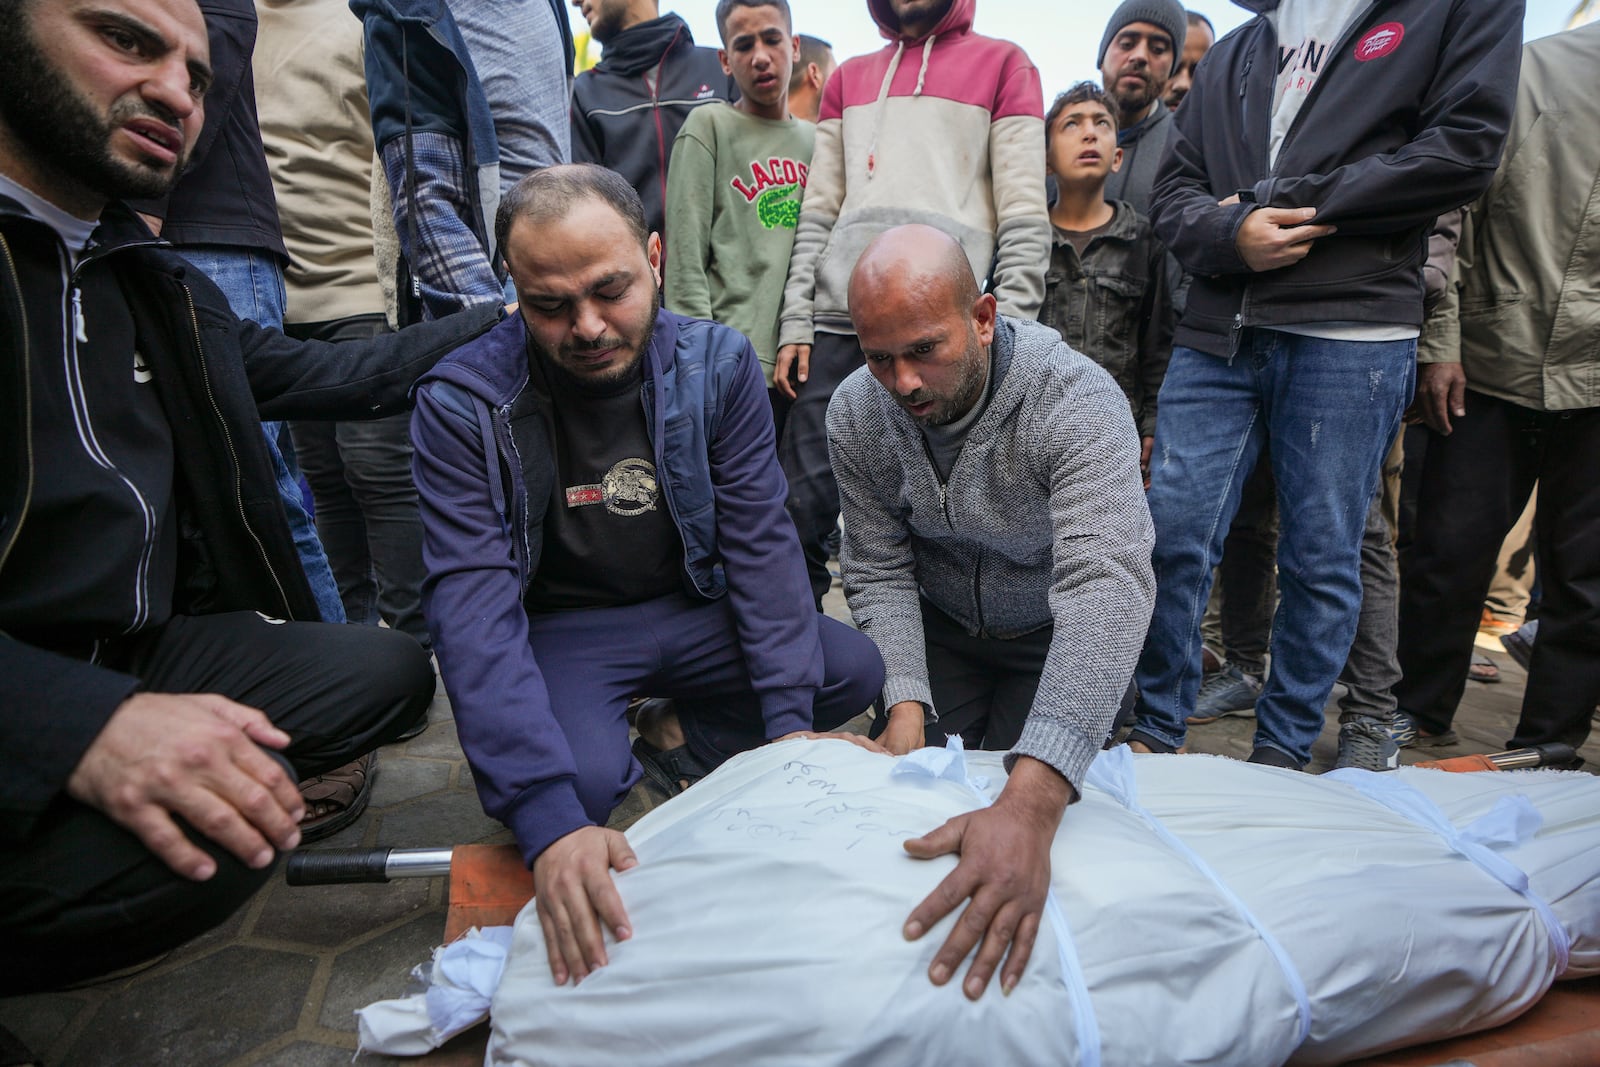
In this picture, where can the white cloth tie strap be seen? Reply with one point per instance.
(1112, 773)
(950, 763)
(1512, 820)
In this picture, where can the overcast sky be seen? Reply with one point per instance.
(1061, 36)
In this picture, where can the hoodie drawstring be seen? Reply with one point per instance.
(877, 108)
(927, 54)
(883, 94)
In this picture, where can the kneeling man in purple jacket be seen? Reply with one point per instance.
(603, 516)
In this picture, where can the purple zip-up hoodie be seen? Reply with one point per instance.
(484, 475)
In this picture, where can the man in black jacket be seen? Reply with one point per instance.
(156, 708)
(1305, 170)
(627, 110)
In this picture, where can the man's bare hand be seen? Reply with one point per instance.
(794, 359)
(574, 892)
(855, 739)
(904, 732)
(1441, 394)
(1273, 237)
(1147, 445)
(198, 757)
(1004, 872)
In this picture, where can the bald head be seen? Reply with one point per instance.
(913, 261)
(922, 324)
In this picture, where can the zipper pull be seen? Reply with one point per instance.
(80, 329)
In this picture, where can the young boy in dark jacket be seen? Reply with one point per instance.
(1106, 289)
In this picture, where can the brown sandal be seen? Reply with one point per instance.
(336, 799)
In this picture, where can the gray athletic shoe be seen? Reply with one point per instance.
(1402, 730)
(1366, 744)
(1228, 692)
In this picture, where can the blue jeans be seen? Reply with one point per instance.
(253, 283)
(1327, 411)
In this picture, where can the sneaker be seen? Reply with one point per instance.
(1402, 730)
(1519, 643)
(1228, 692)
(1366, 745)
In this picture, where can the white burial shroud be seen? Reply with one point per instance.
(1204, 911)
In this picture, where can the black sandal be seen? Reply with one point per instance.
(670, 770)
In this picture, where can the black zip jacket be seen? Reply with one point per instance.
(628, 109)
(1385, 143)
(217, 377)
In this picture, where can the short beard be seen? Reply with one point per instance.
(607, 384)
(46, 115)
(975, 375)
(968, 391)
(1131, 106)
(607, 24)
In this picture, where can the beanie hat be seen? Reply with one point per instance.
(1168, 14)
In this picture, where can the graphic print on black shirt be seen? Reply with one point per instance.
(608, 536)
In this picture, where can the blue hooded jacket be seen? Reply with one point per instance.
(485, 473)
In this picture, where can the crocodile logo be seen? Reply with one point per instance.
(777, 207)
(774, 189)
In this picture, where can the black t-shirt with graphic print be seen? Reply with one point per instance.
(608, 537)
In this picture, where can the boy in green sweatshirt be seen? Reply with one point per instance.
(735, 182)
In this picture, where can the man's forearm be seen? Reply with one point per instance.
(1037, 793)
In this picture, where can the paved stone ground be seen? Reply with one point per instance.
(277, 984)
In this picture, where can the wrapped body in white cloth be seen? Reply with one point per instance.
(1203, 911)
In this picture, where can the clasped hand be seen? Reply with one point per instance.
(1274, 237)
(165, 756)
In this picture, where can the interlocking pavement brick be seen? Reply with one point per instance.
(379, 969)
(329, 915)
(208, 1012)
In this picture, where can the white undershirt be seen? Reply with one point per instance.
(73, 231)
(1307, 31)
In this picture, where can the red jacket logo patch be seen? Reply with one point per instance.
(1380, 42)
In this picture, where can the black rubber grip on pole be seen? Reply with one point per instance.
(1556, 754)
(337, 866)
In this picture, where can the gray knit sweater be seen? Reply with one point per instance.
(1043, 518)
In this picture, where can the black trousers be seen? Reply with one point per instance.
(983, 687)
(1475, 484)
(80, 896)
(803, 454)
(367, 518)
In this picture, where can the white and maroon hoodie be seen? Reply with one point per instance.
(947, 130)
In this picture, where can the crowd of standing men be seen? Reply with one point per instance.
(663, 323)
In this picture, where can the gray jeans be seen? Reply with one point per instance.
(1373, 668)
